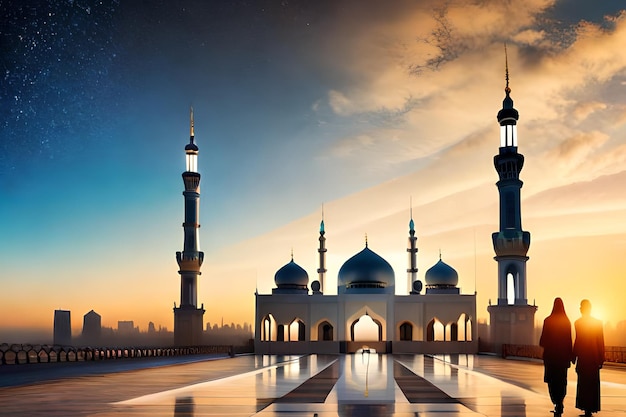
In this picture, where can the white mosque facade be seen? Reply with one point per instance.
(296, 319)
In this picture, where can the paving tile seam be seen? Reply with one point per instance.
(156, 395)
(467, 370)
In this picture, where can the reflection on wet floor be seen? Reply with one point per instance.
(327, 385)
(364, 384)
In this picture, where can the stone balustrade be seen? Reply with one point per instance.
(614, 354)
(17, 354)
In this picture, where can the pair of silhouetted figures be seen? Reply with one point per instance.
(587, 353)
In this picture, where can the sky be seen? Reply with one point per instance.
(370, 109)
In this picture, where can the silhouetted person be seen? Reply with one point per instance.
(589, 357)
(556, 340)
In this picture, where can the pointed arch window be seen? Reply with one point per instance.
(325, 331)
(406, 331)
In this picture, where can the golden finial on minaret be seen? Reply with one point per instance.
(366, 240)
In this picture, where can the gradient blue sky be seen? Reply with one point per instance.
(359, 105)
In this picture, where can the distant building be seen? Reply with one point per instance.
(151, 328)
(62, 328)
(92, 327)
(126, 327)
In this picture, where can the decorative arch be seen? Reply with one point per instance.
(268, 328)
(464, 325)
(435, 330)
(325, 331)
(376, 322)
(296, 330)
(452, 332)
(366, 311)
(405, 331)
(512, 284)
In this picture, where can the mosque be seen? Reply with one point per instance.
(296, 319)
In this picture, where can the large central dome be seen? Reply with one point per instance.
(366, 271)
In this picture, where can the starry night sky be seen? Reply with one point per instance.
(89, 85)
(357, 104)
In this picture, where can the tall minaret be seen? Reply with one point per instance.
(510, 322)
(187, 316)
(322, 252)
(412, 252)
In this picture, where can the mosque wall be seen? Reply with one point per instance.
(328, 320)
(409, 310)
(448, 308)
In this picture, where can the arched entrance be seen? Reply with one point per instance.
(435, 331)
(366, 329)
(268, 329)
(297, 331)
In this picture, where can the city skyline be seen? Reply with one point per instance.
(367, 109)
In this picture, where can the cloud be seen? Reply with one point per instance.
(340, 103)
(350, 145)
(574, 149)
(600, 195)
(582, 111)
(530, 37)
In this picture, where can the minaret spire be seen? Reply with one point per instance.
(507, 89)
(191, 150)
(412, 251)
(508, 116)
(191, 133)
(321, 250)
(411, 223)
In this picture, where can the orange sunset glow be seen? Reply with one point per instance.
(370, 110)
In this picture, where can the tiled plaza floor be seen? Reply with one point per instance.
(315, 385)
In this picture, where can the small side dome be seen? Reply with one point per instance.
(441, 275)
(291, 276)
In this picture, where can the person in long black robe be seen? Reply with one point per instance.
(556, 340)
(589, 356)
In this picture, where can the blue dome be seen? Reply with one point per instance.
(366, 269)
(291, 275)
(441, 275)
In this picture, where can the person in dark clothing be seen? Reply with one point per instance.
(556, 340)
(589, 357)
